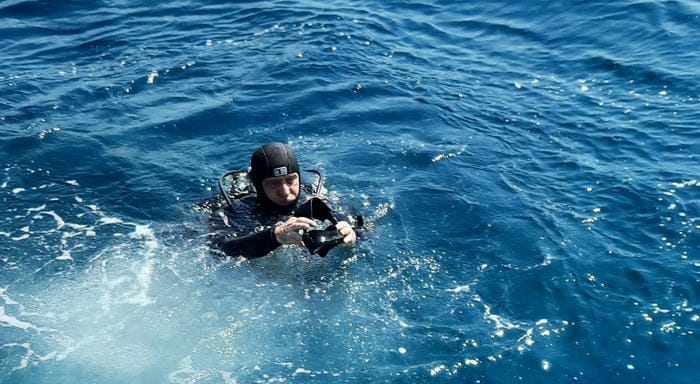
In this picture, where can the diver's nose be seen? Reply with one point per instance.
(286, 189)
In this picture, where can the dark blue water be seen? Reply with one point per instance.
(530, 172)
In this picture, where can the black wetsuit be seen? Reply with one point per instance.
(243, 229)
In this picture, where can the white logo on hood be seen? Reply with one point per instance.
(280, 171)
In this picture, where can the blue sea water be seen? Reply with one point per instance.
(529, 171)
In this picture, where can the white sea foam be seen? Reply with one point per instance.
(152, 77)
(688, 183)
(5, 297)
(461, 288)
(107, 334)
(37, 209)
(10, 321)
(59, 221)
(21, 237)
(110, 220)
(65, 256)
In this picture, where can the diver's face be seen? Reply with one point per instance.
(282, 190)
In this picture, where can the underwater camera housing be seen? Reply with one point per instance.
(319, 240)
(323, 240)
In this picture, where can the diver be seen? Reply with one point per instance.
(260, 211)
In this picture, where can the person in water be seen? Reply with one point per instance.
(271, 216)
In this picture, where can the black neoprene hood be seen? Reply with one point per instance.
(272, 159)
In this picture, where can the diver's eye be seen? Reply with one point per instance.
(291, 180)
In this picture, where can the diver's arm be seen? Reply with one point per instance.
(252, 246)
(259, 244)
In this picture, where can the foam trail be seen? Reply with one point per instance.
(59, 221)
(10, 321)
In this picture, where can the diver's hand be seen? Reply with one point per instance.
(349, 236)
(290, 231)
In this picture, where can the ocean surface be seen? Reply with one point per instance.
(529, 172)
